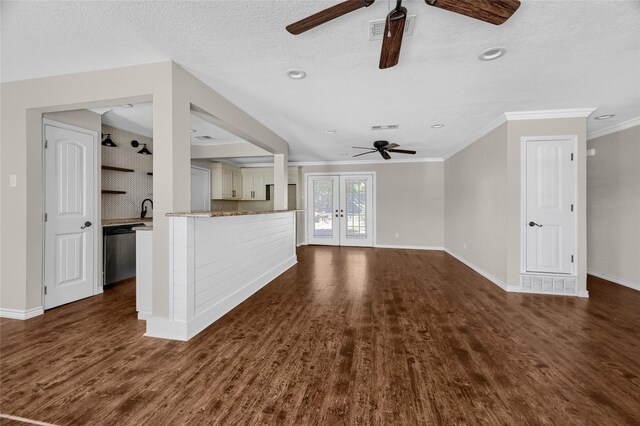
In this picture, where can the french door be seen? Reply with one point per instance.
(340, 210)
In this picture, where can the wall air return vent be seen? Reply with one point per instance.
(376, 27)
(385, 127)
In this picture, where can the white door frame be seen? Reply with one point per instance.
(523, 201)
(97, 285)
(305, 198)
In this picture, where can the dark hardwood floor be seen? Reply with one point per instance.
(348, 336)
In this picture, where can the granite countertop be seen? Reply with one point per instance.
(107, 222)
(226, 213)
(143, 228)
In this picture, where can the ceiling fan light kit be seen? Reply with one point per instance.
(492, 11)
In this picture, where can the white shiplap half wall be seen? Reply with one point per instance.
(218, 263)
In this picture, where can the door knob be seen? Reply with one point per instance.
(86, 225)
(532, 224)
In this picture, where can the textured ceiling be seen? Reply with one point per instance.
(561, 54)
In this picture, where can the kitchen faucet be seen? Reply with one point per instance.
(143, 213)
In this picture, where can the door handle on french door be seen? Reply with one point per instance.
(532, 224)
(86, 225)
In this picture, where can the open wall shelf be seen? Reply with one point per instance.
(117, 169)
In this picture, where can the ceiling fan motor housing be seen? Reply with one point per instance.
(380, 144)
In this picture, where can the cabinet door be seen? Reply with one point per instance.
(247, 186)
(237, 184)
(259, 187)
(227, 183)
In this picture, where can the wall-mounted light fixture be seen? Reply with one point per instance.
(144, 149)
(106, 141)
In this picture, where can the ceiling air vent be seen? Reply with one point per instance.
(204, 138)
(376, 27)
(385, 127)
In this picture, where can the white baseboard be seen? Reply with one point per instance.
(396, 246)
(615, 280)
(20, 314)
(482, 272)
(181, 330)
(304, 243)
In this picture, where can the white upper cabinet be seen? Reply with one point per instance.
(249, 183)
(253, 184)
(226, 182)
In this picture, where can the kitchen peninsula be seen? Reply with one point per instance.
(219, 259)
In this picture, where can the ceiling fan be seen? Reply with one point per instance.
(384, 148)
(493, 11)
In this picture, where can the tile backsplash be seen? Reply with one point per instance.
(138, 184)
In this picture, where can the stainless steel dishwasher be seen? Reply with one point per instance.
(119, 252)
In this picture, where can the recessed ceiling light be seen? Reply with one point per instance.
(127, 105)
(492, 53)
(330, 132)
(605, 117)
(437, 126)
(295, 74)
(193, 130)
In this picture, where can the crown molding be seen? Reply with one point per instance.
(350, 162)
(523, 115)
(615, 128)
(549, 114)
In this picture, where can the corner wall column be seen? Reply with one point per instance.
(171, 180)
(280, 181)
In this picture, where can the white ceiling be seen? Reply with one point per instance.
(561, 54)
(138, 118)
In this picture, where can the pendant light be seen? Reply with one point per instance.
(106, 141)
(144, 150)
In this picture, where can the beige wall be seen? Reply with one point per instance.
(613, 206)
(476, 203)
(483, 197)
(172, 90)
(409, 201)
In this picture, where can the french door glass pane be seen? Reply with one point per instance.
(356, 208)
(322, 208)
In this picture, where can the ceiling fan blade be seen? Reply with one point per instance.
(402, 151)
(385, 154)
(493, 11)
(392, 38)
(364, 153)
(391, 146)
(327, 15)
(362, 147)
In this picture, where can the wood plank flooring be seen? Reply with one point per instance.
(350, 336)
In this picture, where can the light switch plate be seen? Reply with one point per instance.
(13, 181)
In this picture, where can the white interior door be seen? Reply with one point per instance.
(340, 210)
(70, 208)
(200, 189)
(550, 219)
